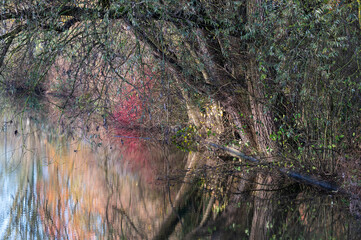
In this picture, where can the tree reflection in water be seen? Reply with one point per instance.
(66, 190)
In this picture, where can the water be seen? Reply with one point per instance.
(63, 188)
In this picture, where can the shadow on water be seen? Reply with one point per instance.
(56, 187)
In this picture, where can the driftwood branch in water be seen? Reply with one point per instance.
(310, 180)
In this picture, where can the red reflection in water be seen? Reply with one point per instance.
(133, 105)
(143, 158)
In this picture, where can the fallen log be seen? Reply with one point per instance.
(310, 180)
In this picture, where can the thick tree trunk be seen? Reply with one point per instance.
(262, 119)
(263, 126)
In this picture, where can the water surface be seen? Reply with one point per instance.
(57, 187)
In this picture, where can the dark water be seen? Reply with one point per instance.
(54, 187)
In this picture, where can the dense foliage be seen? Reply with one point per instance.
(285, 73)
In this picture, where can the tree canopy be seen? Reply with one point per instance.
(285, 73)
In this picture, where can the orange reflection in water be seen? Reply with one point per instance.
(86, 195)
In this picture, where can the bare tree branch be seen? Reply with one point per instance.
(11, 36)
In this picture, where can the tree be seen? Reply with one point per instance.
(280, 78)
(240, 55)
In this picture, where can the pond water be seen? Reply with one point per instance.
(54, 187)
